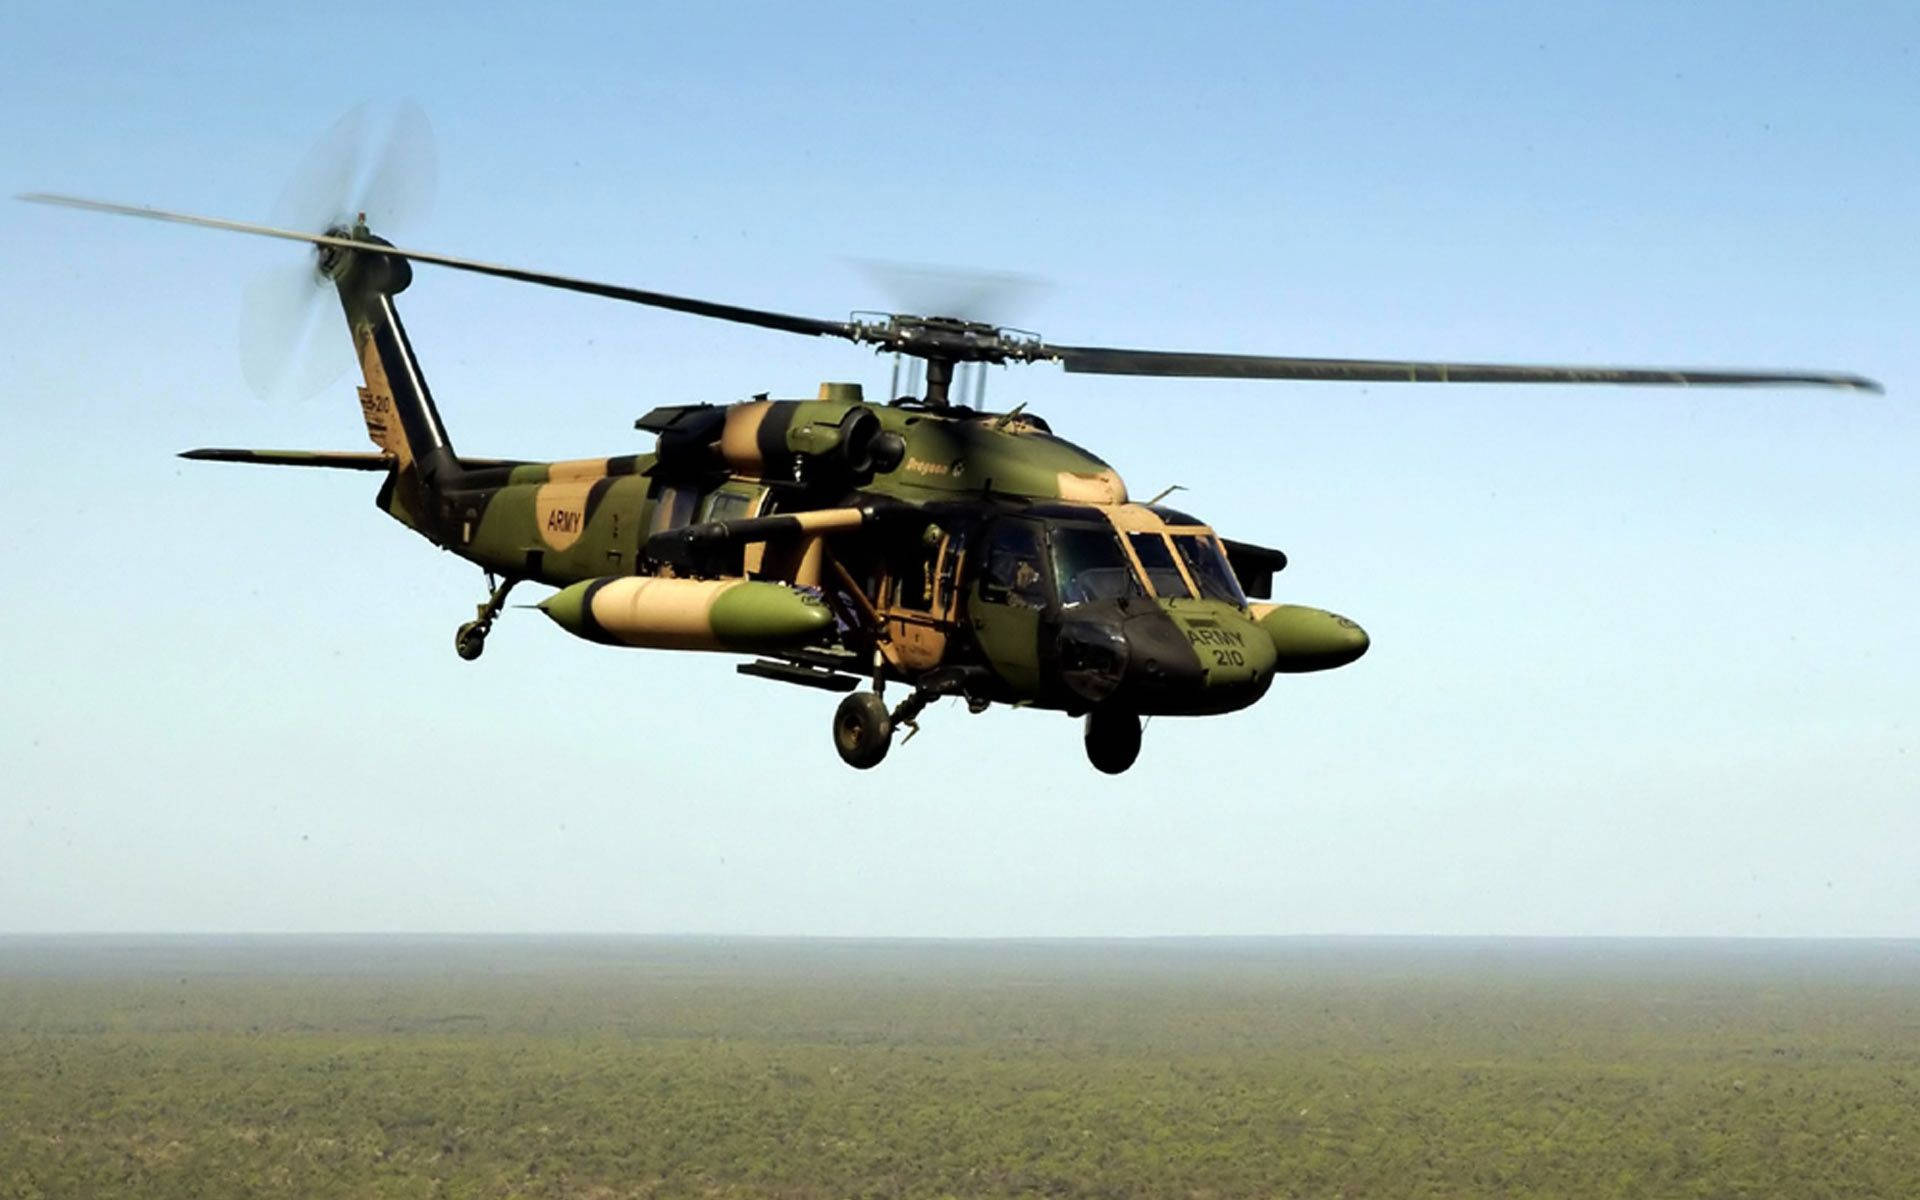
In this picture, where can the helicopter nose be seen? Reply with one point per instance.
(1194, 657)
(1236, 656)
(1094, 654)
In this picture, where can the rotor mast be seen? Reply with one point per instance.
(939, 381)
(944, 343)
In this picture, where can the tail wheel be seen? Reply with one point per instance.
(470, 640)
(862, 730)
(1113, 740)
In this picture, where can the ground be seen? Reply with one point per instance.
(497, 1067)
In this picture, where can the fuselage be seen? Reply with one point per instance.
(1006, 553)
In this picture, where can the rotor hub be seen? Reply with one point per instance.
(944, 339)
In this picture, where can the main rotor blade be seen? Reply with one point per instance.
(983, 296)
(912, 335)
(686, 304)
(1101, 360)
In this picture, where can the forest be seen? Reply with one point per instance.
(606, 1067)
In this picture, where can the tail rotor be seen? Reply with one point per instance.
(382, 169)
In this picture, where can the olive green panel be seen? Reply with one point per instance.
(767, 615)
(1009, 636)
(567, 608)
(1010, 457)
(610, 541)
(505, 533)
(572, 538)
(1310, 639)
(1232, 650)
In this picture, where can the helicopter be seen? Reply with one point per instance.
(844, 544)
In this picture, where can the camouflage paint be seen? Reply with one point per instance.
(1310, 639)
(689, 614)
(984, 454)
(779, 484)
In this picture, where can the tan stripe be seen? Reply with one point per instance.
(755, 553)
(806, 572)
(577, 470)
(740, 436)
(1136, 518)
(376, 400)
(1102, 488)
(828, 520)
(669, 614)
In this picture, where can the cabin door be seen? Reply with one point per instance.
(916, 606)
(1008, 595)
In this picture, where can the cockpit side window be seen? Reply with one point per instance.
(1208, 565)
(1089, 565)
(1156, 559)
(1011, 573)
(673, 507)
(913, 578)
(726, 506)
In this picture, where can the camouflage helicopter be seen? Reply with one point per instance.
(846, 544)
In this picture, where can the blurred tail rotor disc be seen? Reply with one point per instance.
(383, 167)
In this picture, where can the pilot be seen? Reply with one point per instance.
(1026, 585)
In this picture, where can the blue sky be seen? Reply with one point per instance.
(1644, 661)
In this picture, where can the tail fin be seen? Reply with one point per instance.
(399, 410)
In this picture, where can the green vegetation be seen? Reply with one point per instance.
(610, 1068)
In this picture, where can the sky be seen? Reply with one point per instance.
(1644, 661)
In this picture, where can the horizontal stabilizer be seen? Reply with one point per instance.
(339, 460)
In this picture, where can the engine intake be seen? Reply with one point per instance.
(824, 443)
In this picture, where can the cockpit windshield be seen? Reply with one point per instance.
(1208, 565)
(1157, 561)
(1088, 565)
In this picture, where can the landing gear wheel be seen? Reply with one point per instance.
(469, 640)
(1113, 740)
(862, 731)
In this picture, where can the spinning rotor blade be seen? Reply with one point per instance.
(1100, 360)
(612, 291)
(281, 354)
(320, 192)
(346, 173)
(953, 291)
(399, 186)
(955, 341)
(289, 349)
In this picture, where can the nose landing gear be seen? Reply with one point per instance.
(1112, 739)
